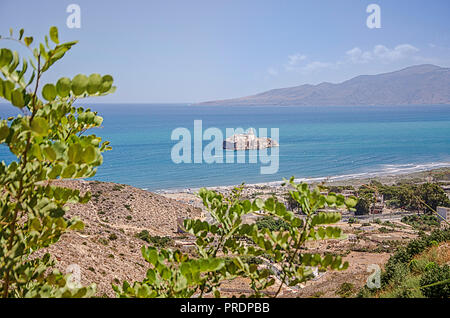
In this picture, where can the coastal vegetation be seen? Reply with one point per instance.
(421, 222)
(272, 224)
(362, 207)
(419, 269)
(156, 241)
(421, 198)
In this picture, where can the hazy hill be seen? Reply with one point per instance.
(415, 85)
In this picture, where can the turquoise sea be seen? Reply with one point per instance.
(314, 142)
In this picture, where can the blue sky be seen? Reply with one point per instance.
(197, 50)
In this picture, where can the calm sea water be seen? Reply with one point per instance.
(314, 142)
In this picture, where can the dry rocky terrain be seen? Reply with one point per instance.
(107, 250)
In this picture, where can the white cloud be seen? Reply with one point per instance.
(381, 53)
(356, 59)
(378, 54)
(295, 59)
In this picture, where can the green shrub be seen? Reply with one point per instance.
(156, 241)
(385, 230)
(250, 259)
(345, 290)
(247, 259)
(423, 222)
(112, 237)
(118, 187)
(103, 241)
(271, 223)
(352, 220)
(405, 254)
(436, 274)
(362, 207)
(49, 139)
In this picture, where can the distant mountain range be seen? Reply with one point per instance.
(415, 85)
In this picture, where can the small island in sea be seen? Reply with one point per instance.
(248, 141)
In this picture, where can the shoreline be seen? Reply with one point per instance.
(356, 179)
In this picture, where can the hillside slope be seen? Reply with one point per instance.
(415, 85)
(107, 250)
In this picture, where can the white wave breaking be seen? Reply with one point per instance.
(385, 170)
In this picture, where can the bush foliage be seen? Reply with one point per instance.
(408, 273)
(225, 247)
(48, 142)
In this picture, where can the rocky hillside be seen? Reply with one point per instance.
(415, 85)
(107, 250)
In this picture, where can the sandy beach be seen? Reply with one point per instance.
(276, 188)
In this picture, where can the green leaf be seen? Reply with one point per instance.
(247, 206)
(15, 62)
(54, 34)
(63, 86)
(4, 132)
(259, 203)
(185, 268)
(49, 92)
(150, 254)
(36, 151)
(55, 172)
(269, 205)
(28, 40)
(151, 276)
(94, 84)
(280, 208)
(78, 225)
(39, 126)
(8, 88)
(89, 154)
(69, 171)
(6, 57)
(79, 84)
(49, 153)
(74, 153)
(107, 82)
(17, 98)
